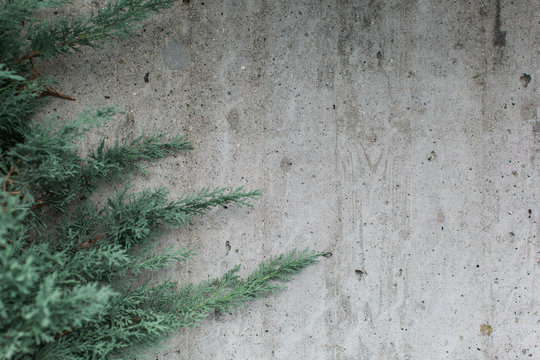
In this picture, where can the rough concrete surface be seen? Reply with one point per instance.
(402, 136)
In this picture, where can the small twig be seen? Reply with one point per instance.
(39, 203)
(92, 242)
(35, 69)
(7, 180)
(58, 336)
(50, 91)
(53, 92)
(29, 56)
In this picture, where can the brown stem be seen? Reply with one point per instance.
(91, 242)
(7, 180)
(35, 69)
(38, 203)
(53, 92)
(29, 56)
(50, 91)
(58, 336)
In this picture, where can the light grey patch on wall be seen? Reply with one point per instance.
(528, 111)
(175, 56)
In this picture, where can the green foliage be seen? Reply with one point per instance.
(70, 270)
(25, 38)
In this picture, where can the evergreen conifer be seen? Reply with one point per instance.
(68, 267)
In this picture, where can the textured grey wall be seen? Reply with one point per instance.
(402, 136)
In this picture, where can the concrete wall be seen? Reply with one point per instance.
(402, 136)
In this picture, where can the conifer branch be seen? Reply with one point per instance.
(27, 57)
(53, 92)
(230, 292)
(70, 272)
(106, 163)
(134, 218)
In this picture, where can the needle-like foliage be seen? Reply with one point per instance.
(70, 270)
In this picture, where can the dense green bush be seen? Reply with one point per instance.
(68, 268)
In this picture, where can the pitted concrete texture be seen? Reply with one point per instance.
(401, 136)
(175, 56)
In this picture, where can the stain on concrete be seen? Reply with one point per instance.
(355, 17)
(380, 58)
(233, 119)
(528, 111)
(360, 274)
(525, 79)
(479, 80)
(175, 56)
(499, 36)
(486, 329)
(127, 131)
(286, 164)
(440, 216)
